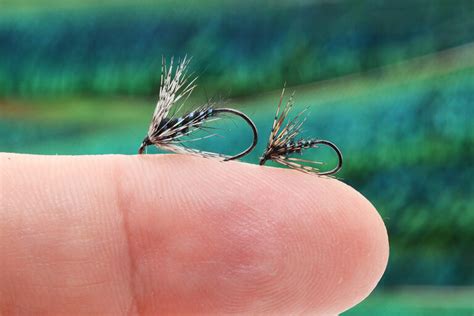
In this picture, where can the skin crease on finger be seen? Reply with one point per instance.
(174, 234)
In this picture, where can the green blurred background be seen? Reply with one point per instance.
(392, 83)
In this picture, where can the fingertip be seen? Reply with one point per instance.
(262, 239)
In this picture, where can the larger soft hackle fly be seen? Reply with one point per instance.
(282, 143)
(167, 131)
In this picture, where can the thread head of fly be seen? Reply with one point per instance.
(263, 159)
(146, 142)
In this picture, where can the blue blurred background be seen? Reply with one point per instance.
(392, 83)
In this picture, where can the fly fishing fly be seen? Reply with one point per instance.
(167, 131)
(282, 143)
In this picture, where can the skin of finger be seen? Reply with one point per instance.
(175, 234)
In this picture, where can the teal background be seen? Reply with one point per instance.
(392, 83)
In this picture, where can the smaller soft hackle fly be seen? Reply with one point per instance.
(282, 143)
(167, 131)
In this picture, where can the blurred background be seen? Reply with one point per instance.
(392, 83)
